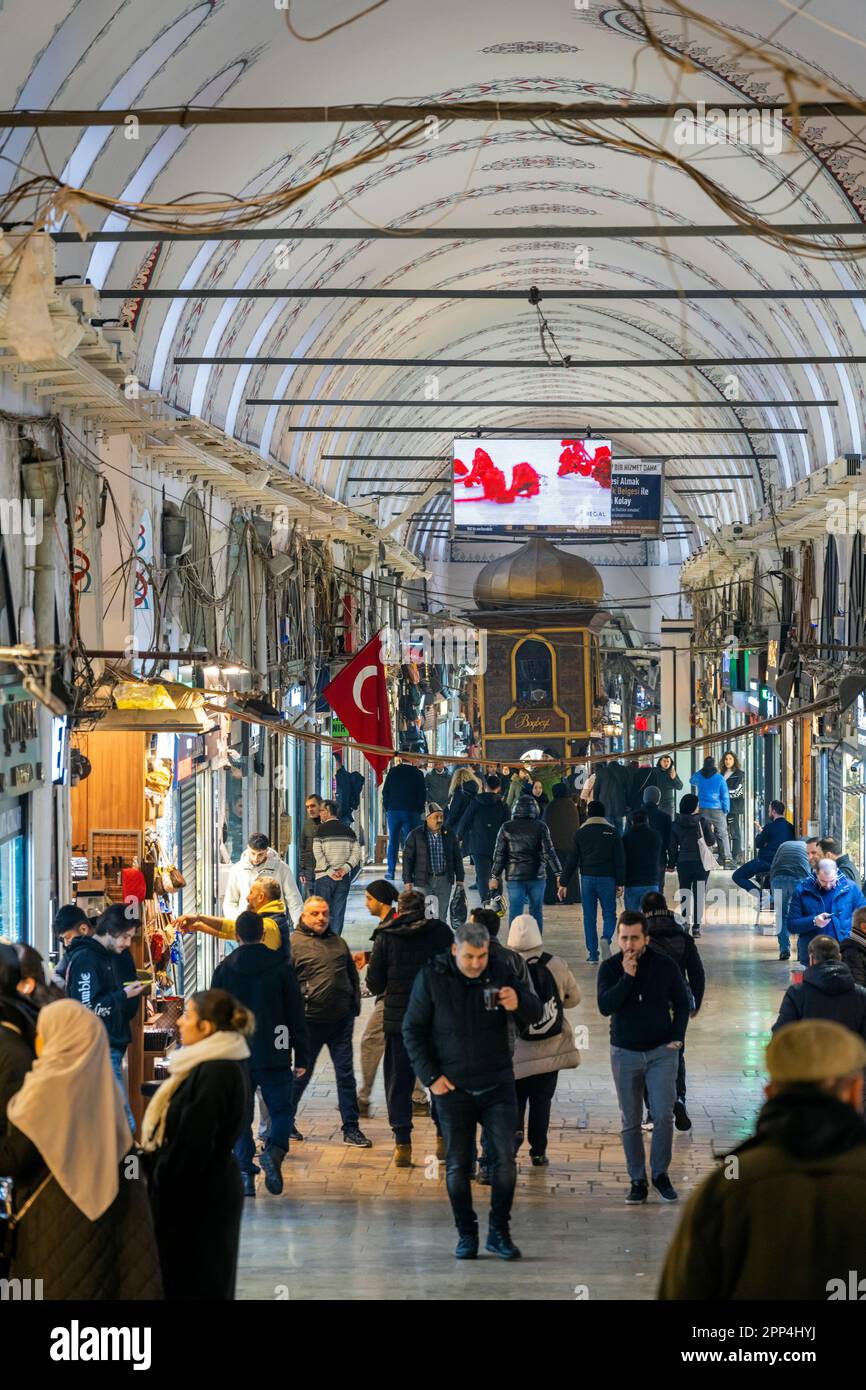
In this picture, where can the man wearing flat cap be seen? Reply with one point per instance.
(784, 1217)
(432, 861)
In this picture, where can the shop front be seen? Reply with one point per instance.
(23, 769)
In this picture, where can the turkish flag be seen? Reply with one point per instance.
(359, 697)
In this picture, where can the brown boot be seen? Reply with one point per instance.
(403, 1156)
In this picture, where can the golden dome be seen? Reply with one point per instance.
(536, 575)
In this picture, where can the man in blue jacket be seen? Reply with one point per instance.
(775, 833)
(101, 975)
(822, 905)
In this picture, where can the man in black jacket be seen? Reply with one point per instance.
(70, 922)
(522, 852)
(329, 982)
(266, 982)
(598, 854)
(101, 975)
(668, 933)
(643, 993)
(659, 821)
(401, 946)
(459, 1033)
(642, 848)
(432, 861)
(403, 797)
(481, 823)
(828, 991)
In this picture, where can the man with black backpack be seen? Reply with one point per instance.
(542, 1050)
(669, 934)
(348, 789)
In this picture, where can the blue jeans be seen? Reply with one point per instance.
(657, 1072)
(335, 891)
(399, 825)
(597, 889)
(277, 1087)
(783, 886)
(527, 890)
(634, 896)
(336, 1035)
(803, 939)
(117, 1056)
(743, 876)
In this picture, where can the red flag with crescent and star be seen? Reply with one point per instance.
(359, 697)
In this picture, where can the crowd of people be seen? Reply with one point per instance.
(470, 1030)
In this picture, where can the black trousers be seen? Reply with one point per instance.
(459, 1114)
(693, 881)
(537, 1093)
(483, 869)
(399, 1085)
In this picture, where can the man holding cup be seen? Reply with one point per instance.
(459, 1031)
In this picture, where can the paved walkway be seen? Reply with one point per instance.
(350, 1225)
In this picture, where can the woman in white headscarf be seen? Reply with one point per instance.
(548, 1046)
(82, 1222)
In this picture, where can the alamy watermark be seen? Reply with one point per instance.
(438, 646)
(754, 125)
(21, 517)
(845, 516)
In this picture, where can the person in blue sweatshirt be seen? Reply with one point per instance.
(714, 803)
(776, 832)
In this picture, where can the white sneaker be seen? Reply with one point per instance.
(647, 1125)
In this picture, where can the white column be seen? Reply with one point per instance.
(677, 690)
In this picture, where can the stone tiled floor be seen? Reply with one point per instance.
(352, 1226)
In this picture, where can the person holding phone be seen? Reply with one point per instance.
(459, 1031)
(822, 905)
(102, 976)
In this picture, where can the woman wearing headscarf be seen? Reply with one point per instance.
(545, 1049)
(82, 1219)
(191, 1127)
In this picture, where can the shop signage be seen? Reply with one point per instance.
(338, 728)
(11, 822)
(20, 753)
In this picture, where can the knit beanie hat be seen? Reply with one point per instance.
(652, 796)
(523, 934)
(382, 891)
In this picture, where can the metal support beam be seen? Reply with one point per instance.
(445, 458)
(543, 431)
(323, 292)
(573, 232)
(549, 405)
(499, 364)
(389, 113)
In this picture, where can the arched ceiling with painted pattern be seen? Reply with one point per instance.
(126, 54)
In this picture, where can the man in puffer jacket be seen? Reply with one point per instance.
(402, 945)
(539, 1059)
(822, 905)
(714, 803)
(828, 991)
(522, 852)
(259, 860)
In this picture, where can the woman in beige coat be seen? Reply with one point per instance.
(539, 1059)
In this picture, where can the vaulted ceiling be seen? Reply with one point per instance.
(128, 55)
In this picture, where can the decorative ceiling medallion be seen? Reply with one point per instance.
(531, 47)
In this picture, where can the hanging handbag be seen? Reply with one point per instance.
(708, 859)
(11, 1219)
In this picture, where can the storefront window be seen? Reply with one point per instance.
(533, 671)
(13, 897)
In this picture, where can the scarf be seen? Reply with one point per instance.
(225, 1046)
(71, 1109)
